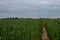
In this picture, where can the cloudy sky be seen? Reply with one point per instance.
(29, 8)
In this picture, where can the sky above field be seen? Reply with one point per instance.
(29, 8)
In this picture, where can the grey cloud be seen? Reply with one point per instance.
(30, 8)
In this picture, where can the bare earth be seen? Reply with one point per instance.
(44, 34)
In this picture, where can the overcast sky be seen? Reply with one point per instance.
(29, 8)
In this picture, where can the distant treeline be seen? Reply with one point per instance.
(17, 18)
(32, 18)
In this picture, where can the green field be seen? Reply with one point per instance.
(53, 28)
(20, 29)
(28, 29)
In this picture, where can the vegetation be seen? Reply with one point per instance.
(53, 28)
(28, 28)
(20, 29)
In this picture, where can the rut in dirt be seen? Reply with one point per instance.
(44, 35)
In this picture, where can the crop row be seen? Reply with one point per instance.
(53, 28)
(20, 29)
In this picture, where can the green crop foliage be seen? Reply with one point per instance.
(28, 29)
(53, 28)
(20, 29)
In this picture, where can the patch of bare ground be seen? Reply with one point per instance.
(44, 35)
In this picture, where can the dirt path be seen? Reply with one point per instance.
(44, 35)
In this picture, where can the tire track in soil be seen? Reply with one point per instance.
(44, 35)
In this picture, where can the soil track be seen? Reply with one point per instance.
(44, 35)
